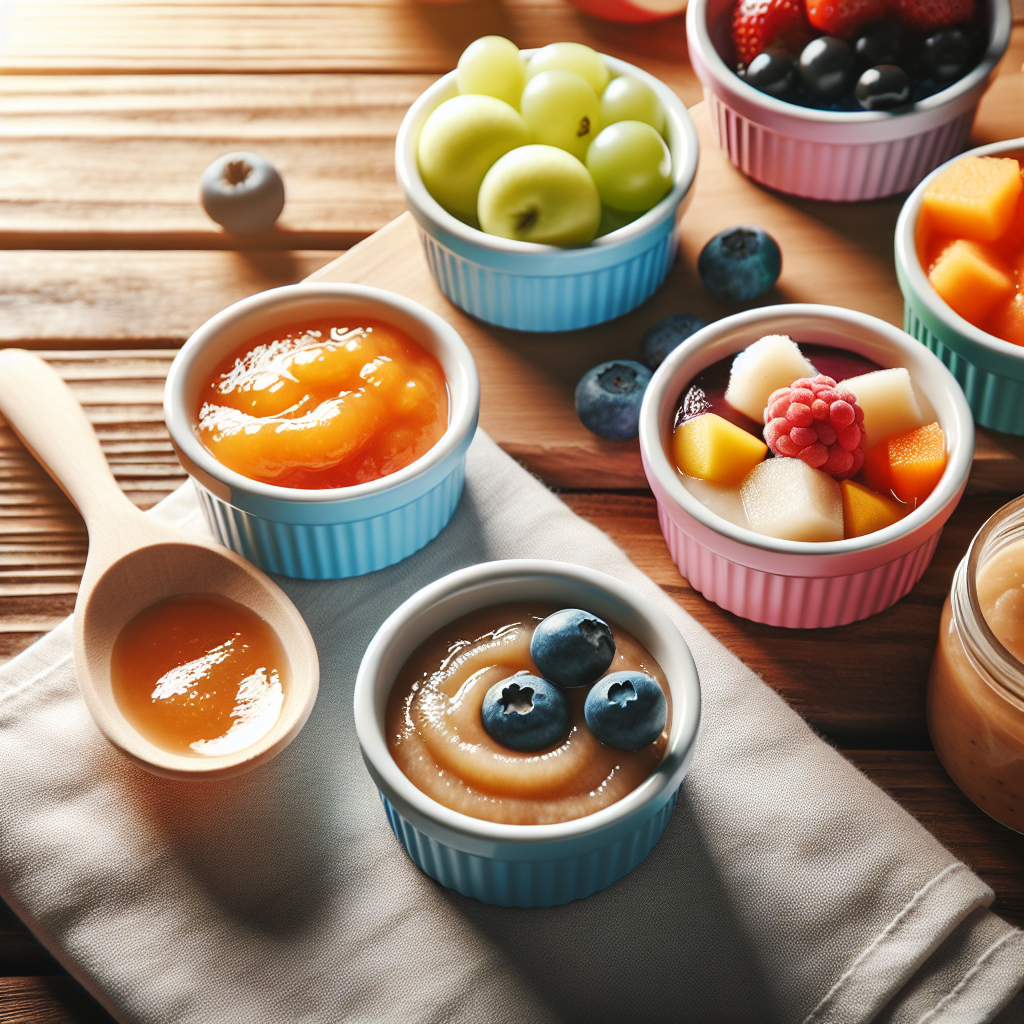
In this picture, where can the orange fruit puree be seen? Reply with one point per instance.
(324, 403)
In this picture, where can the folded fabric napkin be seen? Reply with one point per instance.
(786, 888)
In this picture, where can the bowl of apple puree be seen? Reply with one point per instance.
(437, 738)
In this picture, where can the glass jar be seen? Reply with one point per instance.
(976, 686)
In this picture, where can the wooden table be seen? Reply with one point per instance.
(110, 110)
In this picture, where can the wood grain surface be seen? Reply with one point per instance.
(108, 113)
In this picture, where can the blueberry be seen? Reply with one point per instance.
(828, 67)
(667, 335)
(948, 56)
(608, 398)
(883, 87)
(526, 713)
(773, 72)
(243, 193)
(627, 710)
(740, 264)
(881, 43)
(572, 647)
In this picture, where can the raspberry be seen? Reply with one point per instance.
(811, 420)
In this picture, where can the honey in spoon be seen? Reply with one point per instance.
(199, 674)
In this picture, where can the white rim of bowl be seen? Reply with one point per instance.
(460, 415)
(906, 254)
(652, 443)
(416, 192)
(697, 29)
(371, 738)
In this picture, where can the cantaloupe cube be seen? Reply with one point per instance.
(887, 398)
(875, 471)
(1006, 321)
(974, 198)
(916, 462)
(711, 448)
(865, 511)
(787, 499)
(971, 279)
(765, 366)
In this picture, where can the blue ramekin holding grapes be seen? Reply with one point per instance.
(610, 257)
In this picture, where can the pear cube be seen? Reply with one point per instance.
(711, 448)
(771, 363)
(888, 400)
(723, 500)
(786, 498)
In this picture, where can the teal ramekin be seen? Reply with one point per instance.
(531, 287)
(338, 532)
(990, 370)
(525, 865)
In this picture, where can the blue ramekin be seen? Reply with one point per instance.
(530, 287)
(526, 865)
(344, 531)
(990, 370)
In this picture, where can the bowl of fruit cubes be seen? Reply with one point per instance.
(844, 100)
(547, 184)
(804, 459)
(960, 264)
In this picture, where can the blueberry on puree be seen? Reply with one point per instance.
(526, 713)
(572, 647)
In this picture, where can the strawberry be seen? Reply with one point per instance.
(759, 24)
(929, 15)
(845, 18)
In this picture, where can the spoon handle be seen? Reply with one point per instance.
(43, 412)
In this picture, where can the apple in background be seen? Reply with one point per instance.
(540, 194)
(458, 144)
(631, 11)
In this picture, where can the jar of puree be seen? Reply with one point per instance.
(976, 687)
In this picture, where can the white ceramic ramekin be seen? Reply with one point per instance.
(530, 287)
(990, 370)
(526, 865)
(822, 154)
(338, 532)
(790, 583)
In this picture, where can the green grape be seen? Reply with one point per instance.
(631, 166)
(612, 220)
(540, 194)
(459, 142)
(570, 57)
(561, 110)
(491, 66)
(628, 99)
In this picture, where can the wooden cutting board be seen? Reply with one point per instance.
(838, 254)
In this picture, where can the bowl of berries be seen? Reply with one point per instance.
(547, 184)
(804, 459)
(960, 264)
(844, 100)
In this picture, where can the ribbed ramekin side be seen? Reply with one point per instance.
(797, 602)
(528, 883)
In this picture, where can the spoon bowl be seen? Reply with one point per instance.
(134, 562)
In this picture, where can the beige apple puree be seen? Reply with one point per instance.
(436, 734)
(976, 718)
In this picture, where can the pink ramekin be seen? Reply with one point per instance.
(823, 154)
(792, 583)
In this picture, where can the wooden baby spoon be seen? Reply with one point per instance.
(134, 562)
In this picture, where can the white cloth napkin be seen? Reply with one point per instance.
(786, 888)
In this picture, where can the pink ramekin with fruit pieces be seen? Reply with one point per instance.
(832, 155)
(802, 584)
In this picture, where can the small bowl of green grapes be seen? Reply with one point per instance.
(548, 184)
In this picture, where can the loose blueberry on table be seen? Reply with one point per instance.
(667, 335)
(852, 55)
(740, 264)
(608, 398)
(243, 193)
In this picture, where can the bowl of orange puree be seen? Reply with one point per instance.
(511, 827)
(325, 426)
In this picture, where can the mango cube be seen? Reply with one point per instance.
(865, 511)
(888, 400)
(768, 364)
(786, 498)
(916, 462)
(711, 448)
(971, 279)
(975, 198)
